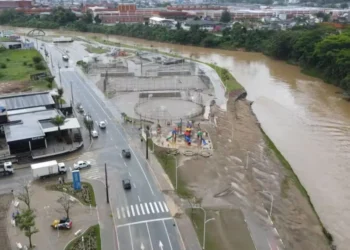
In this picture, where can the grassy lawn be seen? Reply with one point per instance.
(17, 64)
(92, 240)
(95, 50)
(229, 81)
(86, 195)
(41, 85)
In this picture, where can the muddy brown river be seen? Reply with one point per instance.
(306, 119)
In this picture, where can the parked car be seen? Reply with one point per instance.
(64, 223)
(126, 184)
(94, 133)
(126, 153)
(81, 164)
(102, 124)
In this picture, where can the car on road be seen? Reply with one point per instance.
(94, 133)
(102, 124)
(126, 184)
(126, 153)
(81, 164)
(65, 58)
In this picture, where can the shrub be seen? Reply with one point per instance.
(25, 63)
(36, 59)
(49, 85)
(39, 66)
(3, 65)
(8, 59)
(30, 64)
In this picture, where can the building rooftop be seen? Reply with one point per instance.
(28, 125)
(28, 100)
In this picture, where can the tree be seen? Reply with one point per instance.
(66, 203)
(87, 17)
(50, 80)
(58, 120)
(89, 124)
(25, 195)
(97, 19)
(225, 16)
(36, 59)
(60, 92)
(344, 6)
(26, 222)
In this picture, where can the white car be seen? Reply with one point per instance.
(102, 124)
(94, 133)
(81, 164)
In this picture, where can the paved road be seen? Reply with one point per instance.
(141, 216)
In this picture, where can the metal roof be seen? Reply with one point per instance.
(30, 100)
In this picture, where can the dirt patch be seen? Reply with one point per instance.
(5, 201)
(241, 167)
(14, 86)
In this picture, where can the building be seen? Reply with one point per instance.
(25, 121)
(7, 4)
(203, 24)
(162, 22)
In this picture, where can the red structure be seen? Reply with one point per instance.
(15, 4)
(195, 7)
(127, 7)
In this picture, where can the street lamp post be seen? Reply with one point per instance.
(71, 90)
(271, 196)
(176, 167)
(205, 221)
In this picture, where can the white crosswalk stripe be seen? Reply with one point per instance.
(132, 210)
(146, 206)
(156, 207)
(150, 205)
(141, 209)
(161, 207)
(137, 209)
(166, 207)
(118, 213)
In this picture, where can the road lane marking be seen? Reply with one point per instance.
(146, 206)
(132, 210)
(118, 213)
(149, 235)
(129, 174)
(132, 244)
(137, 209)
(106, 122)
(156, 207)
(125, 164)
(165, 206)
(145, 221)
(123, 212)
(139, 198)
(143, 211)
(161, 207)
(116, 233)
(121, 156)
(127, 211)
(134, 185)
(150, 205)
(167, 234)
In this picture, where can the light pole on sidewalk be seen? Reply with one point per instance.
(205, 221)
(271, 196)
(106, 176)
(71, 90)
(176, 174)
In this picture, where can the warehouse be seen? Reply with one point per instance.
(25, 121)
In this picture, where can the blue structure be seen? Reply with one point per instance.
(76, 180)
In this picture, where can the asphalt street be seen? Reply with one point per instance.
(141, 216)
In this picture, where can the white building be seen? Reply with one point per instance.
(162, 21)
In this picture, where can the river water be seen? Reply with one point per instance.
(306, 119)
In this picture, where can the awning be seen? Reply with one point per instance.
(70, 123)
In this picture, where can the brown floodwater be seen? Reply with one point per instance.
(305, 118)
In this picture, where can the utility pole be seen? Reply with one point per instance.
(106, 175)
(147, 135)
(71, 90)
(51, 61)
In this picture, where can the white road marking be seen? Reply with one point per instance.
(143, 211)
(150, 205)
(106, 122)
(121, 156)
(129, 174)
(178, 231)
(139, 198)
(117, 236)
(125, 164)
(134, 185)
(144, 221)
(165, 206)
(137, 209)
(127, 211)
(167, 234)
(96, 122)
(132, 244)
(146, 206)
(149, 235)
(123, 212)
(156, 207)
(132, 210)
(118, 213)
(160, 206)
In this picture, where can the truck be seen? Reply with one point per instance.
(48, 168)
(6, 168)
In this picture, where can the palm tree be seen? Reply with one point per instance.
(60, 92)
(58, 120)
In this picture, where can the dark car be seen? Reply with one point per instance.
(126, 153)
(126, 184)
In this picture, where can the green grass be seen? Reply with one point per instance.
(15, 61)
(95, 50)
(168, 163)
(291, 177)
(41, 85)
(227, 78)
(80, 195)
(94, 232)
(197, 217)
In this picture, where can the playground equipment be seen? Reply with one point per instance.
(187, 135)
